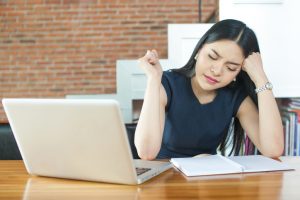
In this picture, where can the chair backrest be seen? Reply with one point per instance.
(8, 146)
(130, 133)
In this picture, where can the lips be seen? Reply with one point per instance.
(211, 80)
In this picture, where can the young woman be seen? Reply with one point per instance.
(192, 110)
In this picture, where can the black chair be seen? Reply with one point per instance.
(10, 151)
(8, 146)
(130, 133)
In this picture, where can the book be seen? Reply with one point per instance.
(291, 122)
(217, 164)
(290, 112)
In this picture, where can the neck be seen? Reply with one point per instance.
(200, 93)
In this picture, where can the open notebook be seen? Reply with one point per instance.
(217, 164)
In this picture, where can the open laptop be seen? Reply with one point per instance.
(76, 139)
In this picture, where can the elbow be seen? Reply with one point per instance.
(274, 152)
(146, 156)
(274, 148)
(146, 149)
(278, 152)
(145, 153)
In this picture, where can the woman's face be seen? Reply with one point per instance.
(218, 63)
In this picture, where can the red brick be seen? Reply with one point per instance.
(53, 1)
(34, 2)
(71, 46)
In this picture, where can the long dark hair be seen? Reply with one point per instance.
(237, 31)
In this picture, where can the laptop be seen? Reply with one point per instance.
(80, 139)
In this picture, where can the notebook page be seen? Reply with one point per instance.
(258, 163)
(208, 165)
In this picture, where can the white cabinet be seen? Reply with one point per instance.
(131, 84)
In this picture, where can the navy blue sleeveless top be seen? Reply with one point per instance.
(193, 128)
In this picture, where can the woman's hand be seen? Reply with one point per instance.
(150, 64)
(254, 68)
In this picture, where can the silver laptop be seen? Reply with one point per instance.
(76, 139)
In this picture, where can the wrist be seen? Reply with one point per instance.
(154, 79)
(261, 81)
(266, 86)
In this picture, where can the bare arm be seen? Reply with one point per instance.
(263, 126)
(149, 130)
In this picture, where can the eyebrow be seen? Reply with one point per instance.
(233, 63)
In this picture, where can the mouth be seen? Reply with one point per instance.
(210, 79)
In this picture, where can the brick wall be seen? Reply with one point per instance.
(50, 48)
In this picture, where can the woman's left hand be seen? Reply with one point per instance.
(254, 68)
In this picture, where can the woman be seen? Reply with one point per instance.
(191, 110)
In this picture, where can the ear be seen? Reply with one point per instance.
(196, 56)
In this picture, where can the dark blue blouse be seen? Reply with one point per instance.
(193, 128)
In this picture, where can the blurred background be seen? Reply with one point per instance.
(52, 48)
(89, 48)
(55, 48)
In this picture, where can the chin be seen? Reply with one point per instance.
(209, 87)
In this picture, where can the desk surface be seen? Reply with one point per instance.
(15, 183)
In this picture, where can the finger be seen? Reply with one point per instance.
(141, 60)
(152, 54)
(144, 59)
(243, 69)
(149, 55)
(152, 60)
(155, 53)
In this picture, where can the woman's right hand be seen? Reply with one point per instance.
(150, 64)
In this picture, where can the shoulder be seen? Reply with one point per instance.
(233, 97)
(237, 92)
(173, 84)
(172, 76)
(172, 73)
(174, 80)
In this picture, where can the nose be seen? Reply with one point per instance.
(216, 70)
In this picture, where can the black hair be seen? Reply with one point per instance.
(237, 31)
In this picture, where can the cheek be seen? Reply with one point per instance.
(198, 67)
(202, 64)
(203, 60)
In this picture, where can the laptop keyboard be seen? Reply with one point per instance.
(140, 171)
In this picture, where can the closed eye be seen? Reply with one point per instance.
(231, 69)
(211, 57)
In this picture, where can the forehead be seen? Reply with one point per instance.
(227, 49)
